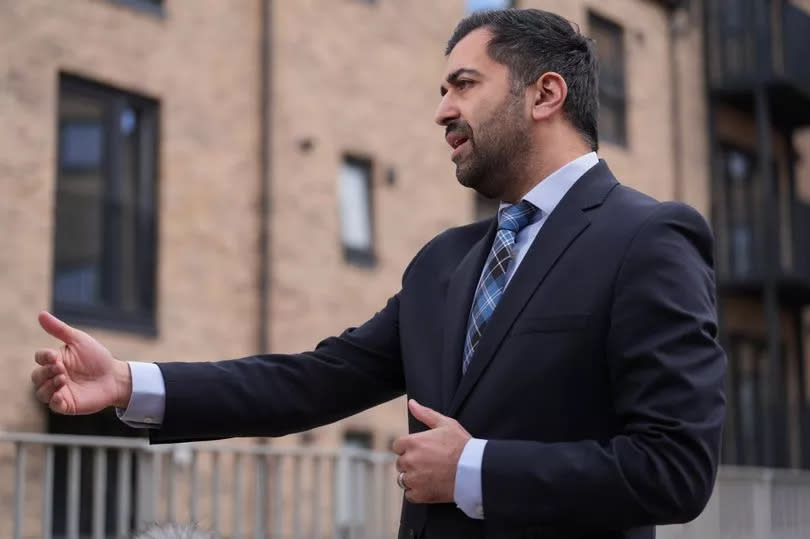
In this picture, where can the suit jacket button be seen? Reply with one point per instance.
(410, 534)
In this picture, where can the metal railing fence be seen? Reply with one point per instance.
(87, 487)
(77, 487)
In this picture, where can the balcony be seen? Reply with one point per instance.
(82, 487)
(741, 265)
(801, 249)
(733, 44)
(115, 485)
(744, 262)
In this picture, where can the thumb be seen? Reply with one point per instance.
(57, 328)
(426, 415)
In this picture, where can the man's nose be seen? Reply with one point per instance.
(446, 112)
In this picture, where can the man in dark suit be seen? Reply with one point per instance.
(561, 360)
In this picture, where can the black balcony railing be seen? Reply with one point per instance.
(751, 251)
(801, 241)
(743, 265)
(735, 43)
(751, 42)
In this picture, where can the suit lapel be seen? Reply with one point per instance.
(460, 293)
(559, 231)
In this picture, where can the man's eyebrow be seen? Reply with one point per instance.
(453, 77)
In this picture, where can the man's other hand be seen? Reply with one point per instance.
(430, 458)
(81, 376)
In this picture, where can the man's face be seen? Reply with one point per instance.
(486, 122)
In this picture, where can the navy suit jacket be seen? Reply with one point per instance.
(598, 381)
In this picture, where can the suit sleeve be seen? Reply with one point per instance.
(278, 394)
(666, 373)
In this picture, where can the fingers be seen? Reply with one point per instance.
(401, 465)
(41, 375)
(426, 415)
(52, 394)
(47, 389)
(399, 445)
(49, 377)
(50, 366)
(57, 328)
(45, 357)
(402, 482)
(58, 403)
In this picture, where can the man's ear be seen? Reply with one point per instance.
(548, 94)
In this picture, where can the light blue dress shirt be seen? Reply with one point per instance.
(467, 492)
(148, 400)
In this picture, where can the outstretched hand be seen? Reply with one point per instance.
(81, 376)
(430, 458)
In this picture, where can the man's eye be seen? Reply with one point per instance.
(463, 84)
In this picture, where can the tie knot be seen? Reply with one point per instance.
(516, 216)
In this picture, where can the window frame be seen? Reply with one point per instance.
(753, 205)
(144, 6)
(735, 450)
(612, 90)
(145, 212)
(363, 258)
(358, 438)
(750, 210)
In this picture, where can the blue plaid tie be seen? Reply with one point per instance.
(491, 287)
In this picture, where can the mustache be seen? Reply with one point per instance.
(458, 126)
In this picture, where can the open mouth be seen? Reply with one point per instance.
(456, 142)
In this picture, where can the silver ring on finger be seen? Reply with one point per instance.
(401, 481)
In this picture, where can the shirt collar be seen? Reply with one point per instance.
(549, 191)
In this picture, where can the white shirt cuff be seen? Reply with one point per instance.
(148, 401)
(467, 491)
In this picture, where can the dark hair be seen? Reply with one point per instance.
(531, 42)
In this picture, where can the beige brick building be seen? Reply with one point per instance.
(141, 137)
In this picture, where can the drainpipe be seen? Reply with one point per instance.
(732, 441)
(678, 25)
(769, 248)
(798, 319)
(265, 154)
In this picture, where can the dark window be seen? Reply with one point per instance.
(738, 173)
(740, 218)
(104, 230)
(155, 7)
(358, 439)
(750, 406)
(609, 38)
(356, 230)
(479, 5)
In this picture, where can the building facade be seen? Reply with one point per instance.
(199, 180)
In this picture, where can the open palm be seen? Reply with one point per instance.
(80, 377)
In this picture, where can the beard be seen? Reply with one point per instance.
(497, 151)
